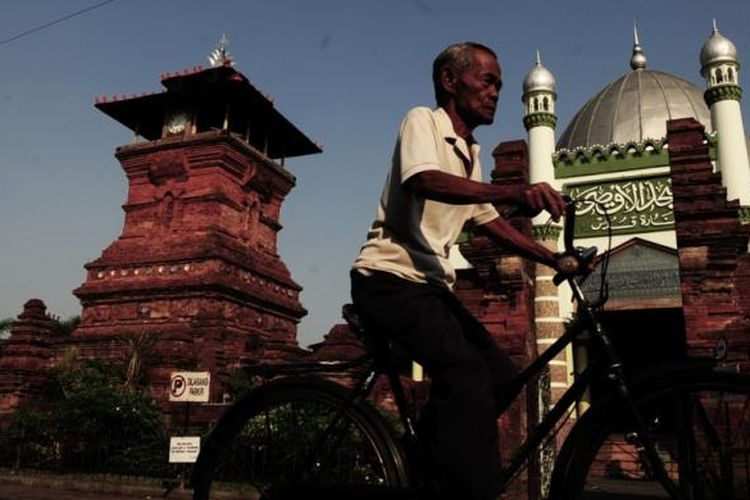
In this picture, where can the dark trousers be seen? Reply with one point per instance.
(458, 425)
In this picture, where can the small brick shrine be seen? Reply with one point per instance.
(27, 357)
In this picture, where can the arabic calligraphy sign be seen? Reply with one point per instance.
(628, 206)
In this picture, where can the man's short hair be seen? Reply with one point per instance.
(459, 57)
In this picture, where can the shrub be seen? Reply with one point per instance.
(89, 422)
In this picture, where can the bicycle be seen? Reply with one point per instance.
(684, 427)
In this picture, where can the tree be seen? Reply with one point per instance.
(65, 326)
(5, 326)
(140, 349)
(27, 440)
(117, 429)
(90, 422)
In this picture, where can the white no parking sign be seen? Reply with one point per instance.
(189, 386)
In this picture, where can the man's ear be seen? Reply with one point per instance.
(448, 80)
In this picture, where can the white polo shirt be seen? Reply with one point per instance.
(412, 236)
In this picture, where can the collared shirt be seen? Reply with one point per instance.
(412, 236)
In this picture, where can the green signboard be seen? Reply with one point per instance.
(626, 205)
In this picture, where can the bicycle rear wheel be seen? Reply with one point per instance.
(298, 438)
(700, 425)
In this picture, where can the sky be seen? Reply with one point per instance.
(343, 71)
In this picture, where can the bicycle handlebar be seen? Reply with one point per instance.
(573, 261)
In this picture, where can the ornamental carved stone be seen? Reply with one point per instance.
(722, 93)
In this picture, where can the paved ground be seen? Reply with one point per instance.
(618, 489)
(20, 492)
(14, 491)
(9, 491)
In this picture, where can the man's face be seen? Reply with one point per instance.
(477, 90)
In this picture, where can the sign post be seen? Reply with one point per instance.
(187, 387)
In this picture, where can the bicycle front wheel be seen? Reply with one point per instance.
(700, 425)
(298, 438)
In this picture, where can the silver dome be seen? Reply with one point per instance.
(633, 108)
(717, 49)
(539, 78)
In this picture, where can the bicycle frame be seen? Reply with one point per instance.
(541, 431)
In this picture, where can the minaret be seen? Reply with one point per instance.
(720, 67)
(539, 119)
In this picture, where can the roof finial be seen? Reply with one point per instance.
(714, 27)
(220, 55)
(538, 58)
(638, 59)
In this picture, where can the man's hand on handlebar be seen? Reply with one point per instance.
(541, 196)
(578, 262)
(573, 261)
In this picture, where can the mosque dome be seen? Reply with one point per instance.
(717, 49)
(539, 78)
(635, 107)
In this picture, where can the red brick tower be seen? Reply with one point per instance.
(196, 266)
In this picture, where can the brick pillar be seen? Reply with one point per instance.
(712, 246)
(549, 324)
(549, 327)
(499, 291)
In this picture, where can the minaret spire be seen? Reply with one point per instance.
(638, 59)
(635, 34)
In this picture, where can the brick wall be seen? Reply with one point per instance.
(712, 248)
